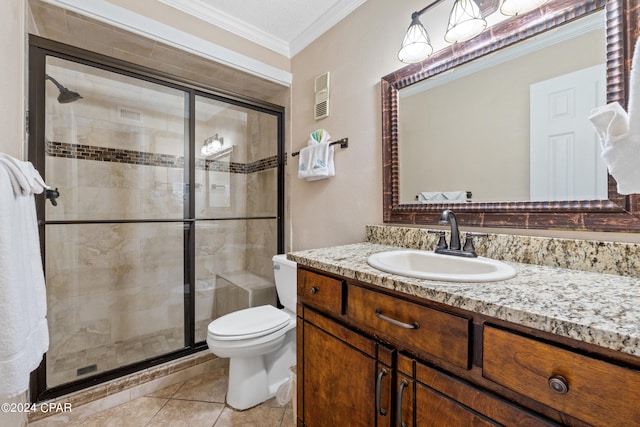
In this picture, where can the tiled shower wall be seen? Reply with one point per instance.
(119, 282)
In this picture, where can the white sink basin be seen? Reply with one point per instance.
(433, 266)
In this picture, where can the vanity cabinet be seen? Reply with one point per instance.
(354, 369)
(368, 356)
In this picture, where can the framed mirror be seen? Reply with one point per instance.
(495, 177)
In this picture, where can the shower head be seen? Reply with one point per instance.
(66, 96)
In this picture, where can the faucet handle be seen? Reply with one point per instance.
(442, 242)
(468, 242)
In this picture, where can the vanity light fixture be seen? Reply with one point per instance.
(466, 21)
(516, 7)
(416, 45)
(212, 145)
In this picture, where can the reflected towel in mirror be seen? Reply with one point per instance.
(442, 196)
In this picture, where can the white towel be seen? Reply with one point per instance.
(24, 335)
(316, 162)
(619, 133)
(25, 179)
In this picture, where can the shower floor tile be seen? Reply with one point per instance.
(63, 367)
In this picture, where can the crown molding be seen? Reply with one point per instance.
(128, 20)
(217, 17)
(327, 20)
(214, 16)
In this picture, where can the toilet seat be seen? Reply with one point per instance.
(248, 323)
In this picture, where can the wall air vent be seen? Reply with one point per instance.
(321, 107)
(129, 115)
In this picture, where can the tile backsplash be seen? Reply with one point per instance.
(617, 258)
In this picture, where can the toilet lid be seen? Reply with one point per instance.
(249, 323)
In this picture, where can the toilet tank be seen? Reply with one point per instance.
(285, 274)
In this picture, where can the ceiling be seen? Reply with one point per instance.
(284, 26)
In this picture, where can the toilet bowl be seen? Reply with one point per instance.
(260, 342)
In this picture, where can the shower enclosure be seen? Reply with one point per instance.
(170, 209)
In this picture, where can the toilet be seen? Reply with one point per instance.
(260, 342)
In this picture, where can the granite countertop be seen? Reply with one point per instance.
(601, 309)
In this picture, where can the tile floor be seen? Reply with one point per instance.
(194, 403)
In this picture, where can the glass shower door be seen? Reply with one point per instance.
(236, 208)
(115, 242)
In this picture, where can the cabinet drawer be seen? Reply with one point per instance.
(411, 326)
(597, 392)
(321, 292)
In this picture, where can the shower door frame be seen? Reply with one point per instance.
(39, 49)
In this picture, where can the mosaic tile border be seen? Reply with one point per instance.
(115, 155)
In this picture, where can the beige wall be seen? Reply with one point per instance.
(357, 52)
(11, 117)
(12, 76)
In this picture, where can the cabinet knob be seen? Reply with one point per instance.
(313, 290)
(558, 384)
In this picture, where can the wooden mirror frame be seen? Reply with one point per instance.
(618, 213)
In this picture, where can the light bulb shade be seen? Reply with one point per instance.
(515, 7)
(465, 22)
(416, 45)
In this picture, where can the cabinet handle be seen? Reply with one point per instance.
(313, 290)
(382, 373)
(403, 384)
(413, 325)
(558, 384)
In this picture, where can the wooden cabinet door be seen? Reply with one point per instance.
(421, 406)
(434, 398)
(339, 380)
(437, 410)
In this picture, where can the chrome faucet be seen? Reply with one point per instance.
(448, 217)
